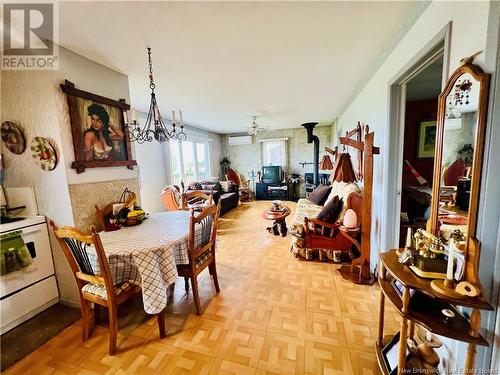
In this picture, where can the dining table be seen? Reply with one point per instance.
(147, 255)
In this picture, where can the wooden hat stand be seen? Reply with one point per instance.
(358, 271)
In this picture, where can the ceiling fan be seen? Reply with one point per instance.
(254, 127)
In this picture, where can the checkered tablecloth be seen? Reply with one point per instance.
(147, 255)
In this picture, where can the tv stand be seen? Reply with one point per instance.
(271, 191)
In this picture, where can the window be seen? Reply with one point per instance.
(189, 161)
(274, 152)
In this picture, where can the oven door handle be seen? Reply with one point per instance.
(24, 231)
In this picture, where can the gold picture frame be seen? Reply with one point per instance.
(427, 139)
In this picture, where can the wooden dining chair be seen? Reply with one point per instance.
(201, 251)
(195, 196)
(98, 289)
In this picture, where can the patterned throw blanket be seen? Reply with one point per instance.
(305, 208)
(14, 254)
(299, 250)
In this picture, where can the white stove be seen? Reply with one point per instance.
(25, 222)
(32, 289)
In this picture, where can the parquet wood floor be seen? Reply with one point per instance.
(274, 315)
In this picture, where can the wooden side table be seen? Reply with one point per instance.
(278, 217)
(425, 308)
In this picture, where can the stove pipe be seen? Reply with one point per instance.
(309, 126)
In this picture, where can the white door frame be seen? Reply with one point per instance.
(434, 49)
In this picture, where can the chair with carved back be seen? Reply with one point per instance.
(196, 199)
(98, 289)
(201, 252)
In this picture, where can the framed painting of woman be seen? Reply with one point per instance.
(98, 130)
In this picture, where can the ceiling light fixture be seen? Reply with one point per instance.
(154, 128)
(253, 129)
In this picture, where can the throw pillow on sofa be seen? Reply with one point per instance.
(212, 186)
(319, 195)
(342, 190)
(330, 213)
(209, 181)
(195, 185)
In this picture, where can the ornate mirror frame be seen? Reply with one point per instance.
(472, 254)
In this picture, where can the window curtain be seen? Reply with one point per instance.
(274, 152)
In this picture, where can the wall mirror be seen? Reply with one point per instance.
(461, 124)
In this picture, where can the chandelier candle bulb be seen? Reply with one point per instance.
(125, 117)
(157, 114)
(182, 120)
(155, 127)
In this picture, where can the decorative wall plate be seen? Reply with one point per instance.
(13, 137)
(44, 153)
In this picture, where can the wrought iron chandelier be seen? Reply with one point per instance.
(155, 127)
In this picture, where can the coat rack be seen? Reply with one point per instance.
(359, 271)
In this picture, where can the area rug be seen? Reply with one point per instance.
(27, 337)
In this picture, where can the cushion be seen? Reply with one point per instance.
(342, 190)
(330, 213)
(319, 195)
(305, 208)
(209, 180)
(212, 186)
(195, 185)
(202, 258)
(100, 290)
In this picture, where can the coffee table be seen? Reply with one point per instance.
(278, 217)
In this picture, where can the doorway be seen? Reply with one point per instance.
(435, 52)
(419, 139)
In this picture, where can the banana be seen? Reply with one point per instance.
(131, 199)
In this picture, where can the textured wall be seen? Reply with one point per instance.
(95, 78)
(455, 139)
(34, 100)
(100, 193)
(245, 158)
(28, 100)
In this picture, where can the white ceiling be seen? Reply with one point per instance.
(426, 84)
(222, 62)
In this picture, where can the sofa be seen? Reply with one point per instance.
(224, 191)
(306, 208)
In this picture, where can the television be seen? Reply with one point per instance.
(271, 174)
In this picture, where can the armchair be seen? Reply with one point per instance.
(243, 185)
(171, 198)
